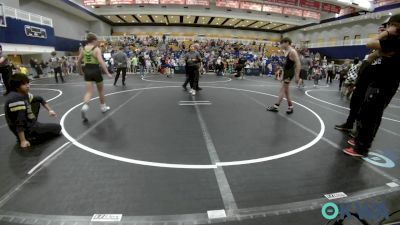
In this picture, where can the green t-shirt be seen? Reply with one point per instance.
(134, 61)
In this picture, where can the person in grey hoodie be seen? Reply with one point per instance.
(121, 62)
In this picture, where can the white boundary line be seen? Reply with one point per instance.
(47, 158)
(58, 90)
(186, 166)
(342, 107)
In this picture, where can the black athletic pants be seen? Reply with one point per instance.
(58, 71)
(192, 77)
(341, 81)
(187, 78)
(123, 75)
(370, 116)
(363, 81)
(5, 76)
(40, 132)
(330, 76)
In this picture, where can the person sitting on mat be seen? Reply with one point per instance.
(22, 110)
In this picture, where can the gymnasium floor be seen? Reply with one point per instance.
(161, 156)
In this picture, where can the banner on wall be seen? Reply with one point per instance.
(330, 8)
(310, 4)
(35, 32)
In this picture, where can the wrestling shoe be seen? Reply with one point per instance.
(289, 110)
(84, 109)
(273, 108)
(105, 108)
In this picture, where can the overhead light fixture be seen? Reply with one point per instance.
(133, 21)
(124, 16)
(155, 16)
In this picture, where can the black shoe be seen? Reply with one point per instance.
(184, 87)
(289, 110)
(199, 89)
(273, 108)
(344, 127)
(124, 84)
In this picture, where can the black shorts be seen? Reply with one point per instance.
(93, 73)
(303, 74)
(288, 75)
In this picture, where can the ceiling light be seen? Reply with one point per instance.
(147, 21)
(247, 21)
(92, 6)
(230, 24)
(108, 16)
(217, 23)
(172, 16)
(133, 21)
(255, 26)
(124, 16)
(155, 16)
(140, 16)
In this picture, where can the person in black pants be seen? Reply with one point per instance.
(5, 70)
(55, 64)
(381, 90)
(343, 73)
(365, 75)
(22, 110)
(121, 62)
(193, 60)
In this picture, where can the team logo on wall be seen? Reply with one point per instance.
(36, 32)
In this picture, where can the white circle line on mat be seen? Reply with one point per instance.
(339, 106)
(191, 166)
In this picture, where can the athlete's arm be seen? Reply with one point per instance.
(374, 43)
(97, 54)
(79, 63)
(295, 57)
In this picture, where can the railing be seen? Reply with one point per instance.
(185, 38)
(27, 16)
(353, 42)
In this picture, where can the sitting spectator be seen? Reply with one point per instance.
(22, 110)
